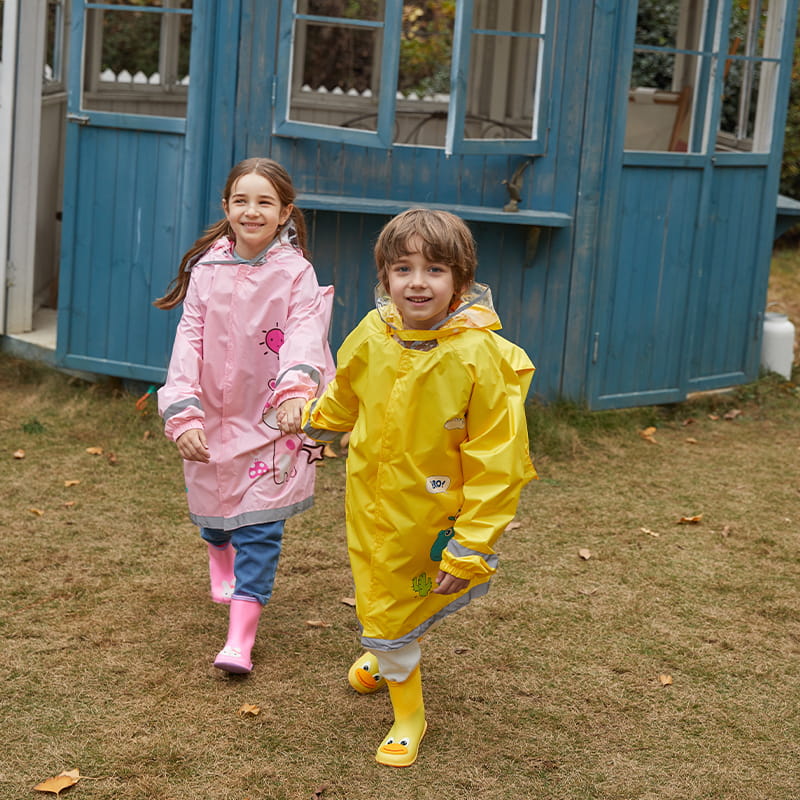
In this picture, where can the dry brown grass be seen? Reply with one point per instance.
(547, 688)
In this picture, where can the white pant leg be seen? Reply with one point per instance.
(397, 665)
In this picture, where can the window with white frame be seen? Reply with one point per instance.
(53, 72)
(459, 75)
(136, 56)
(703, 75)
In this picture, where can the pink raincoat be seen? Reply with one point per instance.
(252, 335)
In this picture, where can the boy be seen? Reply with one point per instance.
(438, 454)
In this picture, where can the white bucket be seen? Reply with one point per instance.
(777, 346)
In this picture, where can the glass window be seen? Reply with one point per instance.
(505, 56)
(430, 73)
(750, 75)
(54, 47)
(698, 64)
(667, 59)
(136, 58)
(336, 70)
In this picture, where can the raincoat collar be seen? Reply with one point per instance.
(223, 250)
(474, 309)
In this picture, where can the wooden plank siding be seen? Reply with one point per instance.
(629, 277)
(730, 274)
(639, 348)
(124, 252)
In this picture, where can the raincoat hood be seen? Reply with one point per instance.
(473, 309)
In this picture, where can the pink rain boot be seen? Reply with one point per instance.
(220, 568)
(235, 656)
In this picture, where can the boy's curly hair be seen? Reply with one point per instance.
(440, 236)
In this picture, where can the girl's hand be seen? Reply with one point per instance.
(290, 415)
(449, 584)
(193, 446)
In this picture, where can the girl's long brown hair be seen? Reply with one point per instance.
(279, 178)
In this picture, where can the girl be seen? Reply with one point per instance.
(438, 453)
(250, 349)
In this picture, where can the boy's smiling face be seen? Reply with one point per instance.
(422, 290)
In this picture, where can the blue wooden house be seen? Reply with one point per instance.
(618, 162)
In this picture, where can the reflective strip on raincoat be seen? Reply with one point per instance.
(252, 335)
(437, 459)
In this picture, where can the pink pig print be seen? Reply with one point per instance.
(284, 450)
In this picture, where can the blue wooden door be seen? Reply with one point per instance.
(693, 158)
(123, 181)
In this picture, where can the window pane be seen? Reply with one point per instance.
(504, 69)
(53, 63)
(664, 76)
(750, 74)
(336, 76)
(738, 113)
(423, 83)
(137, 62)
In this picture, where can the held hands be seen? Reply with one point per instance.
(449, 584)
(290, 415)
(193, 446)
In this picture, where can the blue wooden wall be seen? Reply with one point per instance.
(629, 278)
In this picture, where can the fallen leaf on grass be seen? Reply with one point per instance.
(329, 452)
(691, 440)
(713, 417)
(726, 531)
(513, 525)
(19, 453)
(37, 511)
(349, 601)
(647, 435)
(317, 623)
(94, 451)
(732, 414)
(146, 435)
(649, 532)
(690, 520)
(71, 483)
(112, 459)
(459, 651)
(69, 504)
(249, 710)
(585, 553)
(61, 781)
(689, 421)
(588, 592)
(665, 680)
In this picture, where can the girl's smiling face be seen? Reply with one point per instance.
(422, 290)
(255, 213)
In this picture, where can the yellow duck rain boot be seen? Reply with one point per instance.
(365, 674)
(399, 748)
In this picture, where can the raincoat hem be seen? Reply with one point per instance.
(372, 643)
(251, 517)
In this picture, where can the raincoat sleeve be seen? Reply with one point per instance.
(337, 409)
(495, 459)
(180, 399)
(306, 364)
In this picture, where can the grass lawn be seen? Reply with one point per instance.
(621, 654)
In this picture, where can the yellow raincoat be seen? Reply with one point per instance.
(437, 459)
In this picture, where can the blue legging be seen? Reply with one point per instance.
(258, 548)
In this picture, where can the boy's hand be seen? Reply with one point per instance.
(449, 584)
(193, 446)
(290, 415)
